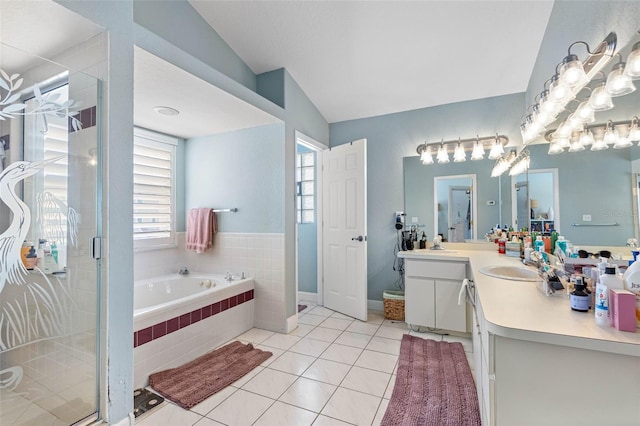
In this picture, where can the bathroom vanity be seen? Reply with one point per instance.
(535, 360)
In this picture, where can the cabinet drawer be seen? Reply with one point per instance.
(436, 269)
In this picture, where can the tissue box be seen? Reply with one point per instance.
(622, 305)
(512, 249)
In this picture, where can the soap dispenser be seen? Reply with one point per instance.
(539, 244)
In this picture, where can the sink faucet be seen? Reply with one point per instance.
(228, 277)
(437, 243)
(183, 271)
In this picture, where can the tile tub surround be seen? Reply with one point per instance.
(183, 336)
(260, 256)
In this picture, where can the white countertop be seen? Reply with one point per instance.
(519, 310)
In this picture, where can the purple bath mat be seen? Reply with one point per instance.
(434, 386)
(301, 308)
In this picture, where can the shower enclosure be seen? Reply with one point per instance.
(49, 222)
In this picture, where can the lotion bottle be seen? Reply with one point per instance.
(631, 280)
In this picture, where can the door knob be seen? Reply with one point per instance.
(358, 238)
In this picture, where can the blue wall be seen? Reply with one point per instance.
(392, 137)
(243, 169)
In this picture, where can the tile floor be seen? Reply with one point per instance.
(331, 370)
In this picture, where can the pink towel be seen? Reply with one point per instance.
(201, 225)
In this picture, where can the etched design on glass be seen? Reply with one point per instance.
(44, 104)
(51, 220)
(10, 377)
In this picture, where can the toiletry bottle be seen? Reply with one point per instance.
(54, 252)
(554, 242)
(601, 305)
(527, 251)
(31, 259)
(561, 245)
(579, 297)
(24, 251)
(40, 254)
(631, 280)
(611, 279)
(539, 244)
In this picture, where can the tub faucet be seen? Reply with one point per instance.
(228, 277)
(183, 271)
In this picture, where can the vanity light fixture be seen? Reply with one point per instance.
(476, 145)
(443, 155)
(633, 62)
(426, 156)
(496, 150)
(600, 99)
(503, 164)
(634, 130)
(619, 134)
(571, 77)
(459, 155)
(618, 82)
(478, 151)
(520, 164)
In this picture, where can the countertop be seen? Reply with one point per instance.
(519, 310)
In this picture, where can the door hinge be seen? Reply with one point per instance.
(96, 248)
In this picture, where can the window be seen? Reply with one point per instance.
(154, 158)
(305, 180)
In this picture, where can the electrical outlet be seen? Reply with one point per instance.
(414, 219)
(586, 218)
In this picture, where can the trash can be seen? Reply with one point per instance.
(393, 305)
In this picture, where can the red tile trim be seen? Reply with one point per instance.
(156, 331)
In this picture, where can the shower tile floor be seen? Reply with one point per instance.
(331, 370)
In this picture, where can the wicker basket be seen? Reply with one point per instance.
(393, 305)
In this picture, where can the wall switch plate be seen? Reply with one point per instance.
(414, 219)
(491, 203)
(586, 218)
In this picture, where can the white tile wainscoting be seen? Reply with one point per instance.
(260, 256)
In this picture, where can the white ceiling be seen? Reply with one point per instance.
(357, 59)
(204, 109)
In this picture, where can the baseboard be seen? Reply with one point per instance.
(375, 305)
(292, 323)
(304, 296)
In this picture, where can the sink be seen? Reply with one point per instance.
(516, 273)
(442, 251)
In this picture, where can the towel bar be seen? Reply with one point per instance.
(233, 210)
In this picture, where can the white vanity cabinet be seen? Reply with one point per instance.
(431, 294)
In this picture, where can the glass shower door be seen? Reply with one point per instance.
(49, 214)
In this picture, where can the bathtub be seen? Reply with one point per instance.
(180, 317)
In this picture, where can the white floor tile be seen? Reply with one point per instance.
(467, 343)
(377, 361)
(426, 335)
(240, 409)
(310, 347)
(381, 344)
(208, 422)
(341, 316)
(321, 310)
(281, 341)
(356, 340)
(308, 394)
(366, 381)
(351, 406)
(327, 371)
(255, 336)
(244, 379)
(328, 421)
(341, 353)
(380, 414)
(389, 391)
(396, 324)
(336, 323)
(170, 415)
(281, 414)
(311, 319)
(375, 318)
(302, 330)
(392, 332)
(213, 401)
(363, 328)
(275, 351)
(324, 334)
(270, 383)
(293, 363)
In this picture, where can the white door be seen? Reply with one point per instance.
(345, 229)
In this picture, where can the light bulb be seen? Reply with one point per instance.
(496, 150)
(478, 151)
(600, 99)
(585, 113)
(555, 148)
(576, 146)
(459, 155)
(426, 156)
(610, 135)
(619, 83)
(443, 155)
(571, 72)
(586, 138)
(632, 69)
(599, 145)
(622, 142)
(634, 130)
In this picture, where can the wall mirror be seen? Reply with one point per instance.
(535, 201)
(454, 204)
